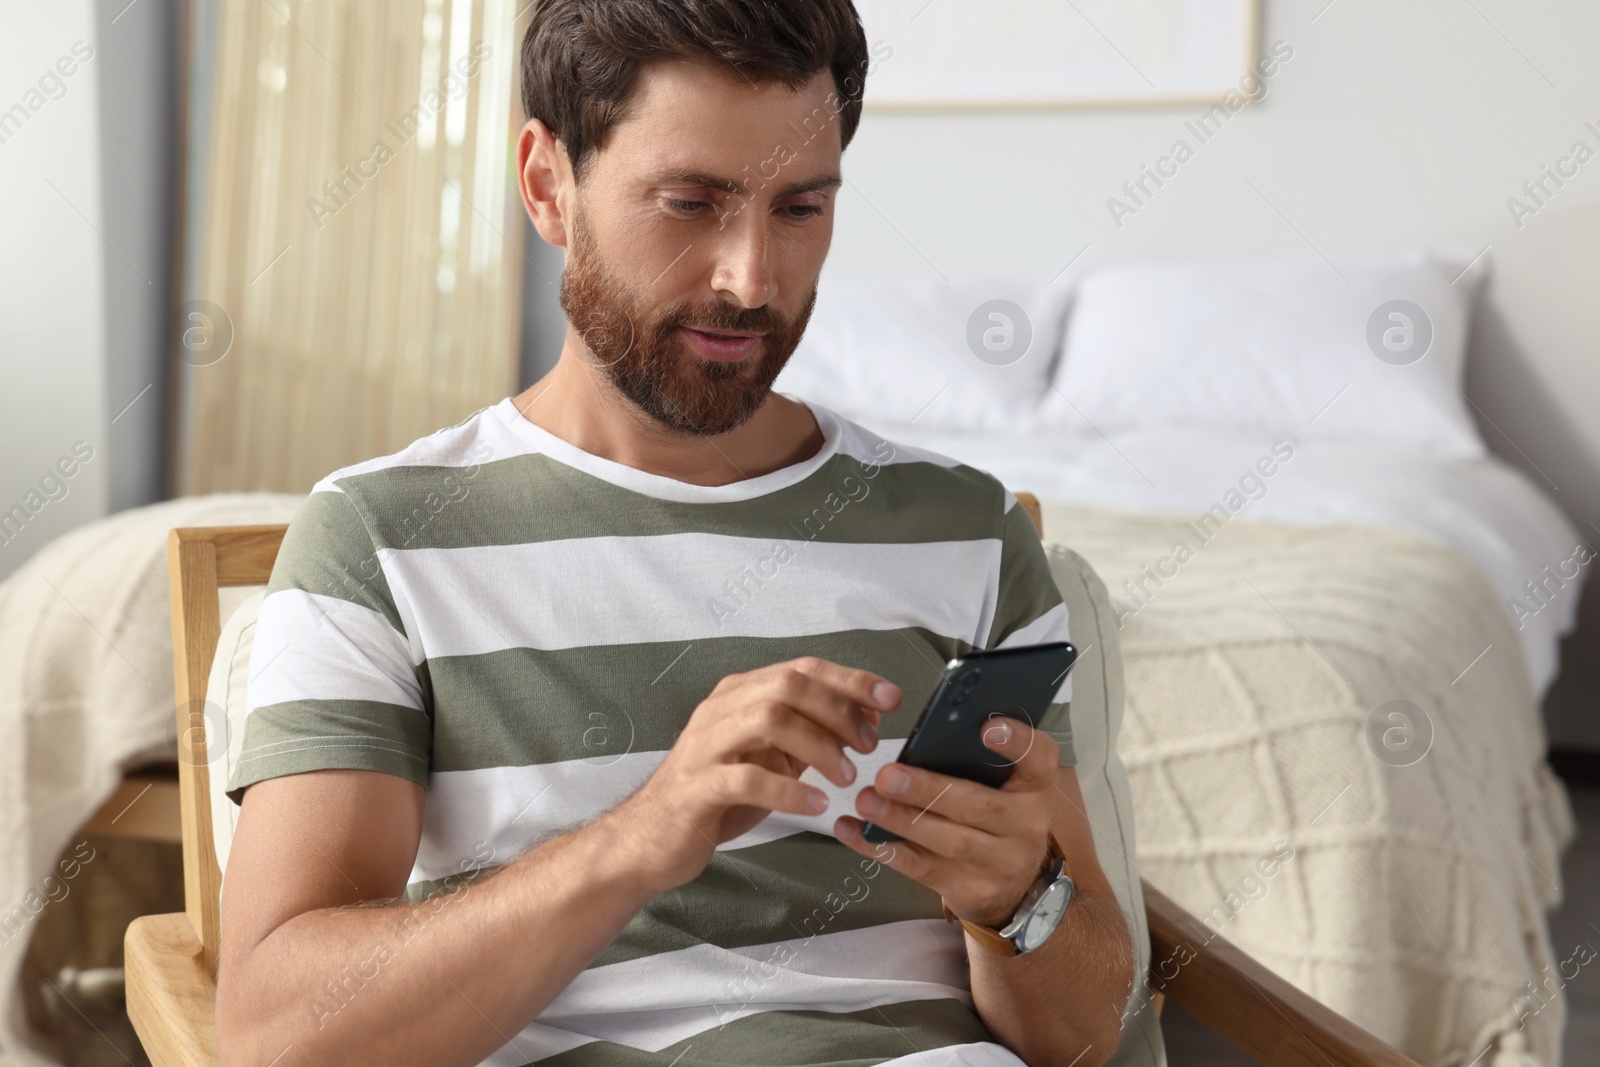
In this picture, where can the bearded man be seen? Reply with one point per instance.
(564, 721)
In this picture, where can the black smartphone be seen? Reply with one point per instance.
(1019, 683)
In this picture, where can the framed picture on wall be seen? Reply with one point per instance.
(1054, 53)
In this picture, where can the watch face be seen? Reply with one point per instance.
(1046, 915)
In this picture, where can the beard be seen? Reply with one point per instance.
(638, 347)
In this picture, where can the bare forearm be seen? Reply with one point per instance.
(445, 981)
(1061, 1003)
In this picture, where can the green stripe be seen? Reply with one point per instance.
(315, 735)
(327, 551)
(519, 707)
(788, 890)
(1027, 588)
(785, 891)
(533, 498)
(793, 1038)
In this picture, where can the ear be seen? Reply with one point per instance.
(544, 176)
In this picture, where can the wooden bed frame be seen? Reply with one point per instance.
(171, 960)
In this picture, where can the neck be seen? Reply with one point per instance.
(578, 404)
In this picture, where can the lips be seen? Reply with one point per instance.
(721, 346)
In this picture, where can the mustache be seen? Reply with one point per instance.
(723, 316)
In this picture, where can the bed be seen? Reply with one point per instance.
(1338, 611)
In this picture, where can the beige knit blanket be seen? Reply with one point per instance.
(85, 689)
(1261, 665)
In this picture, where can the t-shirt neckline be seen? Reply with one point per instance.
(660, 486)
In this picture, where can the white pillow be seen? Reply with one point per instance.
(899, 350)
(1287, 348)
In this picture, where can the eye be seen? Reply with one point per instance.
(802, 212)
(692, 208)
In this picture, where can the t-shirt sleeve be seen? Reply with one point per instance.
(332, 684)
(1029, 610)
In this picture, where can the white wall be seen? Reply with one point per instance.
(52, 258)
(1394, 125)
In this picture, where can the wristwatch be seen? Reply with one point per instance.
(1036, 918)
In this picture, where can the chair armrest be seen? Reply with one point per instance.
(1244, 1002)
(171, 995)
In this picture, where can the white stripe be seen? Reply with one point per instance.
(490, 815)
(685, 587)
(977, 1054)
(671, 996)
(314, 647)
(1046, 629)
(477, 440)
(860, 443)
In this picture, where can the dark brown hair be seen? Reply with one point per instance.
(580, 57)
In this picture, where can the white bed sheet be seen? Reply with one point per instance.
(1490, 513)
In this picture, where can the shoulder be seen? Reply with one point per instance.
(928, 478)
(479, 438)
(393, 495)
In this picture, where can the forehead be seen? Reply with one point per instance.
(694, 114)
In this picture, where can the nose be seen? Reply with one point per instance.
(744, 268)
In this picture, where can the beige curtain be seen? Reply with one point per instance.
(357, 259)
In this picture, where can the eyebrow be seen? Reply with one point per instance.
(738, 188)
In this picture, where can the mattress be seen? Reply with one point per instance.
(1491, 514)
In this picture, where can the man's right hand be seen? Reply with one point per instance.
(741, 757)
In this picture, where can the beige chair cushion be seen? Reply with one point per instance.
(1096, 713)
(225, 711)
(1097, 699)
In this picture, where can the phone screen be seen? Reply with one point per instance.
(1019, 683)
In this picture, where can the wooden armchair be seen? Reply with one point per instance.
(171, 960)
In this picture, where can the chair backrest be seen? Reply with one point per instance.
(201, 560)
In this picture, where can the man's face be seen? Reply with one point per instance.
(698, 234)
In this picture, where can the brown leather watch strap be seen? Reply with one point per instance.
(989, 937)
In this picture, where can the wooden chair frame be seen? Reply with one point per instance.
(171, 960)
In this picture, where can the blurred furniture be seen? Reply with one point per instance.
(172, 959)
(351, 267)
(85, 701)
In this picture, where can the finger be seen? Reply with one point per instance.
(732, 784)
(986, 894)
(772, 724)
(1033, 754)
(822, 703)
(909, 858)
(931, 828)
(863, 687)
(969, 803)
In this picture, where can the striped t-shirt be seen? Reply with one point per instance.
(524, 628)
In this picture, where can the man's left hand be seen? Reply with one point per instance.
(979, 848)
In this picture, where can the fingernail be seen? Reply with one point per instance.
(847, 770)
(886, 694)
(817, 801)
(872, 804)
(869, 737)
(999, 733)
(894, 781)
